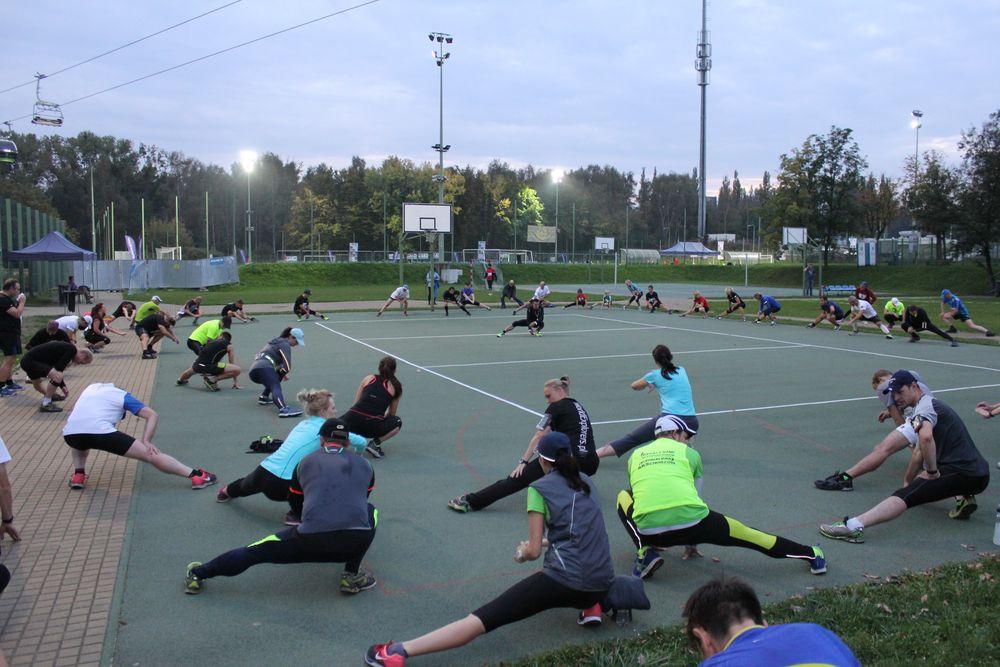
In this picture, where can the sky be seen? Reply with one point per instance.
(555, 84)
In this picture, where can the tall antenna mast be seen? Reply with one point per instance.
(702, 64)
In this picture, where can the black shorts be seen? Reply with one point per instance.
(950, 484)
(94, 337)
(370, 427)
(194, 345)
(139, 331)
(10, 343)
(113, 443)
(204, 369)
(873, 320)
(961, 318)
(119, 312)
(531, 596)
(34, 370)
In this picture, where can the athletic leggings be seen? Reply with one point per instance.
(949, 485)
(532, 596)
(291, 546)
(646, 433)
(272, 384)
(264, 481)
(455, 303)
(503, 301)
(637, 298)
(304, 310)
(911, 327)
(510, 485)
(525, 323)
(713, 529)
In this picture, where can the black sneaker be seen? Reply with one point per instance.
(838, 481)
(952, 329)
(374, 450)
(990, 334)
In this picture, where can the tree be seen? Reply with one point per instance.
(932, 199)
(818, 186)
(979, 227)
(879, 201)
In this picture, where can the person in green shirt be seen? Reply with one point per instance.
(663, 507)
(148, 308)
(207, 331)
(894, 312)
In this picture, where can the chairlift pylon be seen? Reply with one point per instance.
(45, 113)
(8, 149)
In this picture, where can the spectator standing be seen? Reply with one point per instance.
(810, 273)
(11, 308)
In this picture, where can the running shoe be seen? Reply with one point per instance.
(292, 519)
(817, 564)
(683, 314)
(501, 334)
(460, 504)
(888, 336)
(811, 325)
(326, 318)
(353, 583)
(298, 319)
(964, 508)
(58, 398)
(15, 386)
(210, 383)
(914, 338)
(647, 561)
(289, 411)
(194, 322)
(78, 481)
(203, 479)
(773, 323)
(719, 317)
(222, 496)
(374, 450)
(838, 481)
(7, 391)
(146, 354)
(51, 407)
(264, 400)
(836, 327)
(990, 334)
(840, 531)
(954, 343)
(951, 329)
(378, 656)
(193, 584)
(181, 382)
(591, 617)
(538, 333)
(853, 333)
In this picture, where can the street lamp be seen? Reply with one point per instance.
(916, 124)
(248, 159)
(557, 177)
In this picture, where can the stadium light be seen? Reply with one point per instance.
(916, 123)
(248, 160)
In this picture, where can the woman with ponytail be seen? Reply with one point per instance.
(577, 571)
(272, 366)
(671, 382)
(373, 414)
(563, 415)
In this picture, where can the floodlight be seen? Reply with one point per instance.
(448, 40)
(430, 37)
(248, 159)
(557, 175)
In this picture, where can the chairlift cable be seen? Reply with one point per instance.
(210, 55)
(125, 46)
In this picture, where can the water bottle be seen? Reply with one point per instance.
(996, 530)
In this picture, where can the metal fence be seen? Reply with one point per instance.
(20, 226)
(142, 275)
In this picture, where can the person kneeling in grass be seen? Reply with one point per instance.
(338, 523)
(726, 625)
(577, 570)
(663, 508)
(952, 465)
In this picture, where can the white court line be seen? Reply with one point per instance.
(613, 356)
(477, 335)
(404, 320)
(794, 405)
(818, 347)
(424, 368)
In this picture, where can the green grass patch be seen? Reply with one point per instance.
(944, 616)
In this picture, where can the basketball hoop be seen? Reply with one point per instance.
(430, 237)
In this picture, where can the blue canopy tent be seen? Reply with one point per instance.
(53, 247)
(689, 249)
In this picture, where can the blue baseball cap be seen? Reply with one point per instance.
(550, 444)
(899, 380)
(945, 293)
(299, 336)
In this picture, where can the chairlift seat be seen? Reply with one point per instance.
(8, 151)
(47, 113)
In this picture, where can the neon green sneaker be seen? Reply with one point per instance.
(193, 584)
(840, 531)
(964, 508)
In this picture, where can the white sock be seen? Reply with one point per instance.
(885, 330)
(46, 400)
(854, 524)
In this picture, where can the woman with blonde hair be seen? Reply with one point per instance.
(274, 474)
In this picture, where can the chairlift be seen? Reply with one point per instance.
(45, 113)
(8, 149)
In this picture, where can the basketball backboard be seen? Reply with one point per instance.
(427, 218)
(604, 243)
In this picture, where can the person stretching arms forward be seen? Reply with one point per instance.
(400, 294)
(953, 308)
(862, 310)
(699, 304)
(273, 365)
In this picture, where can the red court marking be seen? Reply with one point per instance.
(460, 446)
(453, 583)
(774, 428)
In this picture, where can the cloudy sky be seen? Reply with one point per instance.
(547, 82)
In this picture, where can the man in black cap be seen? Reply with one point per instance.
(338, 522)
(951, 464)
(301, 308)
(534, 319)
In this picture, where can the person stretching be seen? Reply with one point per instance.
(191, 309)
(663, 506)
(766, 309)
(580, 301)
(953, 309)
(209, 330)
(373, 414)
(338, 523)
(577, 571)
(735, 302)
(274, 474)
(235, 309)
(894, 312)
(47, 334)
(862, 310)
(210, 365)
(273, 365)
(92, 425)
(534, 319)
(830, 311)
(509, 292)
(127, 310)
(468, 297)
(451, 296)
(151, 330)
(301, 308)
(634, 295)
(652, 300)
(48, 361)
(400, 294)
(699, 304)
(541, 293)
(916, 319)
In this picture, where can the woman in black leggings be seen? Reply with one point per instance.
(577, 571)
(563, 415)
(373, 414)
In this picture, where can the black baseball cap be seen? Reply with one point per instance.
(333, 429)
(899, 380)
(307, 291)
(551, 444)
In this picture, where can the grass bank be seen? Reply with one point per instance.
(944, 616)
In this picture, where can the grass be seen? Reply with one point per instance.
(944, 616)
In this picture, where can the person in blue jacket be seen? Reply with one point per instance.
(953, 309)
(768, 307)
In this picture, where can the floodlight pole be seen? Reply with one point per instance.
(702, 64)
(440, 56)
(249, 223)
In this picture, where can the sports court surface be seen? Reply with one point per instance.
(780, 407)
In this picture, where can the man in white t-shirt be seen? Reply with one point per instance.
(401, 294)
(862, 310)
(541, 292)
(6, 510)
(73, 323)
(898, 439)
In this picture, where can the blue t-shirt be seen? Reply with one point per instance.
(467, 291)
(956, 303)
(838, 312)
(675, 393)
(781, 645)
(302, 441)
(769, 303)
(633, 288)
